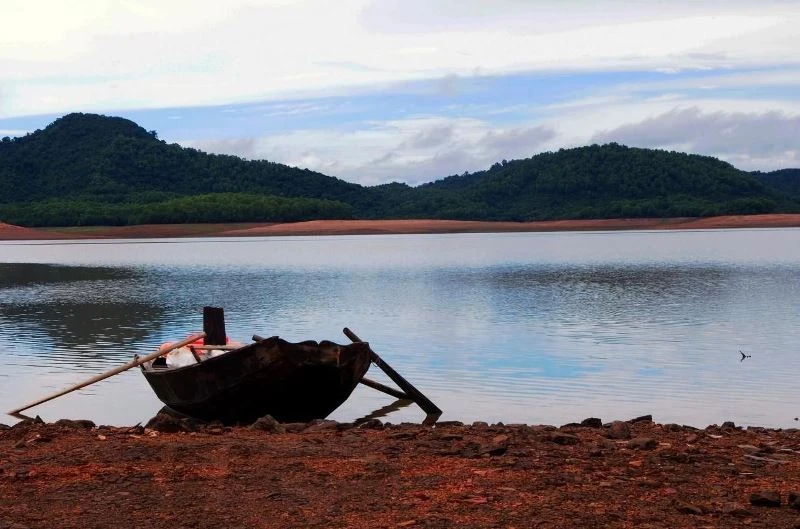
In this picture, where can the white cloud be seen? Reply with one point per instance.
(414, 150)
(124, 54)
(578, 125)
(749, 140)
(114, 54)
(749, 133)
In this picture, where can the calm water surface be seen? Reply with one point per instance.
(531, 327)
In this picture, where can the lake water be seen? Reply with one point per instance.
(520, 328)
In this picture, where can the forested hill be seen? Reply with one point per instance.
(87, 155)
(785, 181)
(88, 169)
(612, 180)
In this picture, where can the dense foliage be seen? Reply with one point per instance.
(603, 181)
(85, 169)
(786, 181)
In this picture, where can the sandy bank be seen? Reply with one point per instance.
(366, 227)
(9, 232)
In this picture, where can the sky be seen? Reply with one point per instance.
(375, 91)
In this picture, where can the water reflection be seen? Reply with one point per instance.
(520, 328)
(384, 411)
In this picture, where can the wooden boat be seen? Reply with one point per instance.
(292, 382)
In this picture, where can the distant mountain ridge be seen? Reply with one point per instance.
(91, 169)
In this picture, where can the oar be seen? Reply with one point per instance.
(164, 349)
(416, 395)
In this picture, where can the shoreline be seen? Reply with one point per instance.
(387, 227)
(626, 474)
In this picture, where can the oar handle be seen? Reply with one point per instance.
(164, 349)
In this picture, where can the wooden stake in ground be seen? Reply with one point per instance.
(137, 361)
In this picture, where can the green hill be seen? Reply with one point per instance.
(87, 169)
(606, 181)
(786, 181)
(110, 170)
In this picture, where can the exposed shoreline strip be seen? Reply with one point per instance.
(410, 226)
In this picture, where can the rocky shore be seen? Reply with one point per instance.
(175, 473)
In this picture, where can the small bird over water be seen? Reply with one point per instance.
(743, 356)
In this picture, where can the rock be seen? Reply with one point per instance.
(619, 430)
(268, 424)
(794, 500)
(371, 424)
(564, 438)
(480, 424)
(501, 439)
(643, 443)
(136, 430)
(496, 447)
(470, 450)
(27, 423)
(642, 418)
(688, 508)
(608, 444)
(401, 436)
(692, 438)
(765, 499)
(760, 461)
(294, 427)
(80, 424)
(728, 425)
(765, 448)
(4, 427)
(322, 426)
(443, 424)
(164, 422)
(592, 422)
(449, 437)
(735, 509)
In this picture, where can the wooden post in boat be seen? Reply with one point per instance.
(416, 395)
(137, 361)
(214, 326)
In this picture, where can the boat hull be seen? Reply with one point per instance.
(293, 382)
